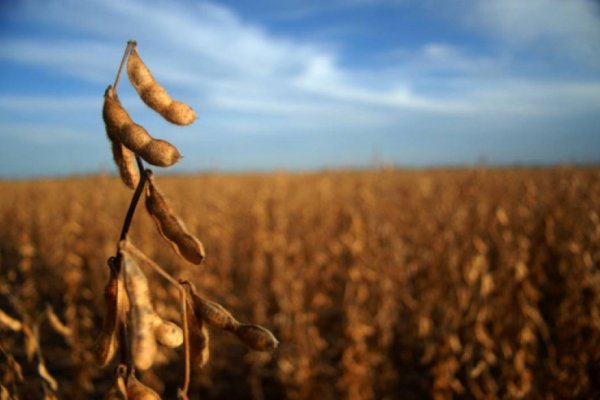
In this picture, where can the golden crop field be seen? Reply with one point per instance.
(384, 284)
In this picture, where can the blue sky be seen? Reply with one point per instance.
(306, 84)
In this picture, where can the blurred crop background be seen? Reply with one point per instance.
(406, 192)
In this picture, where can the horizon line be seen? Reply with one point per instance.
(324, 169)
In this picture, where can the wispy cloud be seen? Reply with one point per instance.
(246, 79)
(567, 28)
(78, 58)
(208, 50)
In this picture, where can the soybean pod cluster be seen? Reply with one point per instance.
(132, 329)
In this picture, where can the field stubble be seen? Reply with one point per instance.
(378, 284)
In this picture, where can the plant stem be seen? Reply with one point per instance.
(115, 262)
(186, 341)
(130, 45)
(140, 165)
(134, 199)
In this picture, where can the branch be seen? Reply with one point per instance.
(130, 45)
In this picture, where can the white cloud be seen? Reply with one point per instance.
(549, 99)
(208, 50)
(568, 27)
(80, 58)
(442, 57)
(444, 60)
(207, 55)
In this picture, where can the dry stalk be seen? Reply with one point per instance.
(130, 45)
(182, 394)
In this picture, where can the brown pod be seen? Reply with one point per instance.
(171, 228)
(135, 137)
(113, 114)
(143, 317)
(114, 117)
(161, 153)
(212, 313)
(125, 160)
(197, 334)
(180, 113)
(136, 390)
(121, 128)
(154, 95)
(107, 342)
(256, 337)
(168, 333)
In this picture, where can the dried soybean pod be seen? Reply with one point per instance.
(143, 344)
(212, 313)
(113, 114)
(168, 333)
(154, 95)
(125, 160)
(171, 228)
(136, 390)
(120, 127)
(161, 153)
(106, 344)
(256, 337)
(197, 334)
